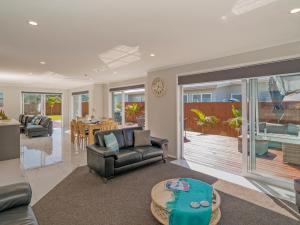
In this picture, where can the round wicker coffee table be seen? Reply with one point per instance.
(160, 196)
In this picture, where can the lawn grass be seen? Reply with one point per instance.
(55, 117)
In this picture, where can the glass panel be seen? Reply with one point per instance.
(206, 97)
(117, 107)
(212, 125)
(135, 107)
(32, 103)
(196, 98)
(54, 108)
(84, 105)
(274, 126)
(76, 106)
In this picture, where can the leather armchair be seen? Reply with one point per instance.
(14, 205)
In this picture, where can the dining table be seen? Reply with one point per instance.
(93, 125)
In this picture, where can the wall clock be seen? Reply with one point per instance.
(158, 87)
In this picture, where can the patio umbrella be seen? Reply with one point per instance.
(277, 92)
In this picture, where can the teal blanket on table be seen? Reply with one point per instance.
(181, 213)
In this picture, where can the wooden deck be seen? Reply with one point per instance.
(221, 152)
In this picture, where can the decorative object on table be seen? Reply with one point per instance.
(158, 87)
(165, 204)
(177, 185)
(3, 116)
(1, 99)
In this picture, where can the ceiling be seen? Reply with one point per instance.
(87, 41)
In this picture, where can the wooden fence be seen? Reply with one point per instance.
(222, 110)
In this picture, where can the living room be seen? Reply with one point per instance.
(92, 125)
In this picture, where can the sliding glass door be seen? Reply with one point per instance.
(128, 107)
(33, 103)
(274, 127)
(47, 104)
(80, 104)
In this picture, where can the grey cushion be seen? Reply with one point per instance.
(142, 138)
(45, 121)
(149, 152)
(126, 157)
(293, 129)
(129, 135)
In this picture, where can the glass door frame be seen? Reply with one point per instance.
(247, 168)
(44, 102)
(250, 115)
(123, 94)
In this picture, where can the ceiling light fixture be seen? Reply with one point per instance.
(42, 62)
(115, 72)
(152, 54)
(296, 10)
(32, 23)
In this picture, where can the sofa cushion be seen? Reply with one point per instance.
(126, 157)
(111, 142)
(35, 128)
(293, 129)
(149, 152)
(142, 138)
(45, 121)
(129, 136)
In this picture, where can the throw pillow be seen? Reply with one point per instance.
(111, 142)
(141, 138)
(45, 122)
(37, 120)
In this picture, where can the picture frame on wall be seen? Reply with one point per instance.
(1, 99)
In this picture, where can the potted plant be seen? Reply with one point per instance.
(204, 120)
(236, 121)
(132, 110)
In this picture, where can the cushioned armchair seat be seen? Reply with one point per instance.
(108, 163)
(126, 157)
(148, 152)
(14, 205)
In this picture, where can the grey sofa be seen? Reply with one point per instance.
(35, 126)
(108, 163)
(14, 205)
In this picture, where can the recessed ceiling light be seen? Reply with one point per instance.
(224, 18)
(32, 23)
(296, 10)
(42, 62)
(152, 54)
(115, 72)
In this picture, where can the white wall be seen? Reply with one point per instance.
(13, 97)
(163, 113)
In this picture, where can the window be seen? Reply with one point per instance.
(49, 104)
(236, 96)
(128, 107)
(206, 97)
(80, 104)
(185, 98)
(198, 97)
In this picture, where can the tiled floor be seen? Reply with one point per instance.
(44, 162)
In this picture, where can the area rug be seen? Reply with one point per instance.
(83, 199)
